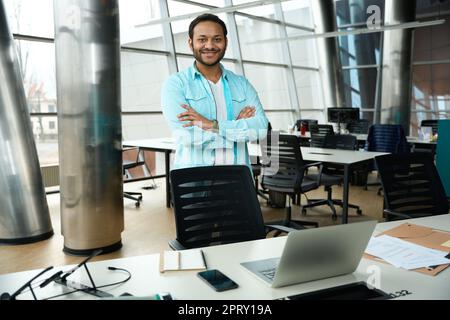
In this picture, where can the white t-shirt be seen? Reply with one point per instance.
(224, 156)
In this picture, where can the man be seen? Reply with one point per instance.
(212, 111)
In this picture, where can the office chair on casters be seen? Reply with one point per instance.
(389, 138)
(318, 134)
(216, 205)
(412, 186)
(284, 171)
(333, 174)
(130, 164)
(358, 126)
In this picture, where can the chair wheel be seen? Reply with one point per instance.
(137, 204)
(140, 198)
(359, 212)
(304, 211)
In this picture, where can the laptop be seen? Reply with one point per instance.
(314, 254)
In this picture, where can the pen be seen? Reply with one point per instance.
(203, 257)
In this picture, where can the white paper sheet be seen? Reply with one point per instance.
(403, 254)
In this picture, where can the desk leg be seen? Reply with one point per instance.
(167, 165)
(345, 195)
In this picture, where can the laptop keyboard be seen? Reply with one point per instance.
(269, 274)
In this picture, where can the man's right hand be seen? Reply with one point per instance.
(246, 113)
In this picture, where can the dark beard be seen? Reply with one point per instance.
(198, 57)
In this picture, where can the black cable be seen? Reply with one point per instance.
(118, 282)
(103, 286)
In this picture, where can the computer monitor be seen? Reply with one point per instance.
(343, 115)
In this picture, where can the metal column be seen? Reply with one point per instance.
(24, 214)
(90, 131)
(328, 50)
(396, 81)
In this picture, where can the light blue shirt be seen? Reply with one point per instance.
(196, 147)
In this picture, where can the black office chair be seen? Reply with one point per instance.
(283, 171)
(128, 164)
(318, 133)
(216, 205)
(388, 138)
(256, 171)
(358, 126)
(333, 175)
(412, 186)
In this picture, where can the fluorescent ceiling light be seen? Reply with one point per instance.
(212, 11)
(408, 25)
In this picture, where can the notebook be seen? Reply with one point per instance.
(182, 260)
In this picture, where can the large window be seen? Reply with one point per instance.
(309, 89)
(271, 84)
(30, 17)
(250, 32)
(360, 55)
(285, 73)
(142, 77)
(134, 31)
(431, 67)
(37, 62)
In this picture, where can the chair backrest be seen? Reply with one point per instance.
(358, 126)
(430, 123)
(215, 205)
(387, 138)
(341, 141)
(318, 134)
(282, 163)
(411, 184)
(307, 122)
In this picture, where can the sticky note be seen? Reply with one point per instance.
(446, 244)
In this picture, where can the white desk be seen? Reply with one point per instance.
(347, 158)
(147, 280)
(410, 139)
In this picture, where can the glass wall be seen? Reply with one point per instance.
(285, 73)
(431, 67)
(360, 55)
(134, 29)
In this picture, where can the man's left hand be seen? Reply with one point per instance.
(193, 118)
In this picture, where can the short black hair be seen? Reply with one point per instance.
(206, 17)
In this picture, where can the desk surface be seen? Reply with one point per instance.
(147, 280)
(309, 154)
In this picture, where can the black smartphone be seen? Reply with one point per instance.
(217, 280)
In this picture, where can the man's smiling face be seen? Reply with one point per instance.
(208, 43)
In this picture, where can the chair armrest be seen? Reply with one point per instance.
(176, 245)
(315, 164)
(396, 214)
(273, 227)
